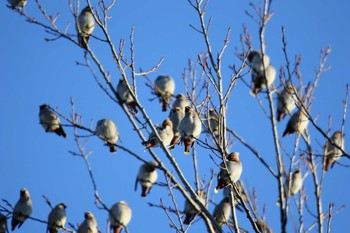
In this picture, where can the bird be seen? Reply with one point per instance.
(119, 216)
(85, 26)
(297, 123)
(49, 121)
(261, 80)
(164, 89)
(285, 101)
(3, 224)
(189, 210)
(124, 96)
(147, 176)
(227, 193)
(22, 210)
(222, 211)
(331, 152)
(296, 182)
(181, 102)
(232, 173)
(189, 128)
(57, 218)
(107, 130)
(165, 132)
(17, 3)
(212, 122)
(89, 225)
(256, 63)
(176, 114)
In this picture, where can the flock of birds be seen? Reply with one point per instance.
(182, 126)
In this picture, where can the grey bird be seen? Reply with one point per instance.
(85, 25)
(180, 102)
(22, 210)
(331, 152)
(107, 130)
(89, 225)
(296, 182)
(297, 123)
(165, 132)
(3, 224)
(119, 216)
(57, 218)
(49, 121)
(189, 128)
(189, 210)
(17, 3)
(176, 115)
(233, 171)
(222, 211)
(212, 122)
(147, 176)
(164, 89)
(285, 101)
(124, 96)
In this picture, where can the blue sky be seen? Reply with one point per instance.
(36, 72)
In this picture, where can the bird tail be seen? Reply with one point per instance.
(117, 229)
(173, 142)
(164, 104)
(280, 116)
(188, 218)
(60, 132)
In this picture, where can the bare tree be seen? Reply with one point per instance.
(209, 83)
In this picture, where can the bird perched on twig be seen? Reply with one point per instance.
(119, 216)
(147, 176)
(165, 132)
(176, 114)
(89, 225)
(232, 173)
(57, 218)
(3, 224)
(17, 3)
(285, 101)
(263, 73)
(49, 121)
(297, 123)
(296, 182)
(222, 211)
(212, 122)
(85, 26)
(107, 130)
(22, 210)
(164, 89)
(331, 152)
(124, 96)
(189, 210)
(189, 128)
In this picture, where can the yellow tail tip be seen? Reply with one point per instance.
(186, 152)
(216, 191)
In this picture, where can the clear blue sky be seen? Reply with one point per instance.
(36, 72)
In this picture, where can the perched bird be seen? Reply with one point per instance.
(124, 96)
(232, 173)
(3, 224)
(262, 80)
(17, 3)
(256, 62)
(180, 102)
(212, 122)
(89, 225)
(49, 121)
(331, 152)
(285, 101)
(263, 73)
(189, 210)
(297, 123)
(85, 25)
(165, 132)
(176, 115)
(22, 210)
(164, 89)
(222, 211)
(147, 176)
(189, 128)
(119, 216)
(296, 182)
(57, 218)
(227, 193)
(107, 130)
